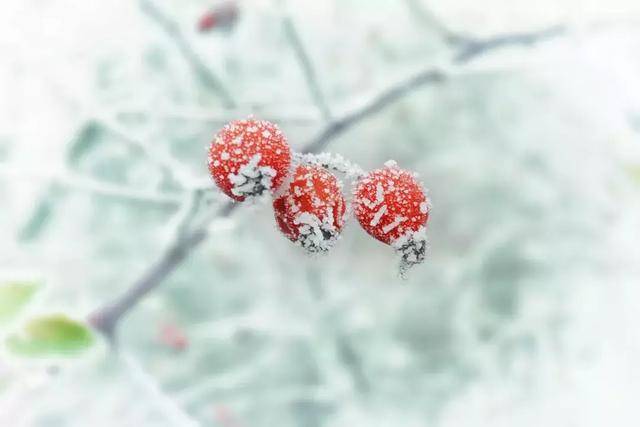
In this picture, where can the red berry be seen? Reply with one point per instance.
(173, 337)
(249, 157)
(224, 16)
(311, 212)
(392, 206)
(207, 22)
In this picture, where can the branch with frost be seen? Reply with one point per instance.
(76, 181)
(106, 318)
(471, 47)
(166, 163)
(298, 116)
(308, 69)
(204, 73)
(428, 19)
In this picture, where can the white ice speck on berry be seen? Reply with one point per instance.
(379, 198)
(391, 164)
(378, 216)
(399, 220)
(424, 207)
(316, 235)
(224, 155)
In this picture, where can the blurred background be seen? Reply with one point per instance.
(524, 314)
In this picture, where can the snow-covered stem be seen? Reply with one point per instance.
(204, 73)
(428, 19)
(330, 161)
(106, 318)
(473, 47)
(76, 181)
(167, 164)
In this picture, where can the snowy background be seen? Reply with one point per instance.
(525, 313)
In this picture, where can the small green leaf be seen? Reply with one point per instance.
(51, 335)
(13, 297)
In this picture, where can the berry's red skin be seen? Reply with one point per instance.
(313, 192)
(389, 203)
(256, 143)
(224, 15)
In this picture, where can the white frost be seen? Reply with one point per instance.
(399, 220)
(378, 216)
(379, 198)
(251, 179)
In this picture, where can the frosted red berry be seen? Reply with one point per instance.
(249, 157)
(311, 212)
(392, 206)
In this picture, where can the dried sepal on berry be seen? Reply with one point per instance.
(311, 211)
(249, 157)
(392, 206)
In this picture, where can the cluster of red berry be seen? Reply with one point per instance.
(251, 157)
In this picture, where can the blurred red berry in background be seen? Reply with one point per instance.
(173, 337)
(222, 16)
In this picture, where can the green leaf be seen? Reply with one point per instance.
(51, 335)
(13, 297)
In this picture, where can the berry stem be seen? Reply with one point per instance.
(330, 161)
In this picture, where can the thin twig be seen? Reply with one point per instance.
(204, 73)
(90, 185)
(429, 20)
(308, 69)
(336, 127)
(106, 318)
(298, 116)
(166, 163)
(476, 47)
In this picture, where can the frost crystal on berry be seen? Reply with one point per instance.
(311, 210)
(248, 158)
(252, 179)
(412, 248)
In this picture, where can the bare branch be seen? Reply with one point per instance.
(105, 319)
(307, 67)
(204, 73)
(475, 47)
(337, 127)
